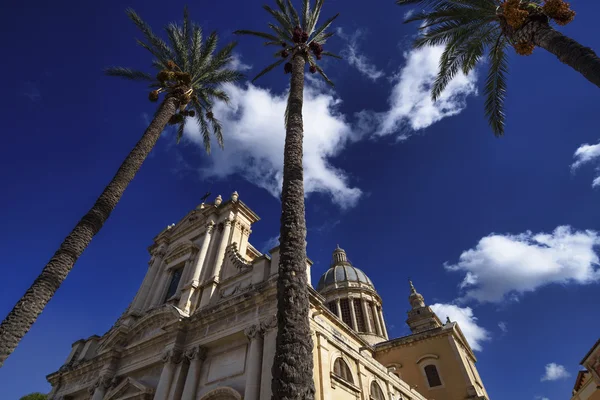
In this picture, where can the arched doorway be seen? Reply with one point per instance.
(222, 393)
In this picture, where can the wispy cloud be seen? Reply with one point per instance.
(410, 105)
(505, 266)
(555, 372)
(474, 333)
(31, 91)
(503, 327)
(355, 58)
(588, 154)
(270, 243)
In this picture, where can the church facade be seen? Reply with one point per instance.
(203, 326)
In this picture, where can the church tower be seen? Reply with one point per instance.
(421, 317)
(435, 359)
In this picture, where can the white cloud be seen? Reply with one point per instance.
(541, 398)
(555, 372)
(505, 266)
(270, 243)
(474, 333)
(237, 64)
(410, 103)
(502, 326)
(409, 14)
(356, 59)
(586, 154)
(254, 133)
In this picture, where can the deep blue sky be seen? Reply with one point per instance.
(425, 200)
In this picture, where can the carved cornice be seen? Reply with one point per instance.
(172, 356)
(268, 323)
(236, 258)
(187, 247)
(253, 331)
(104, 380)
(196, 352)
(229, 291)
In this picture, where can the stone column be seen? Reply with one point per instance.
(353, 314)
(254, 363)
(155, 263)
(378, 330)
(324, 366)
(192, 285)
(382, 322)
(98, 390)
(269, 327)
(211, 286)
(166, 376)
(222, 247)
(364, 305)
(339, 308)
(196, 356)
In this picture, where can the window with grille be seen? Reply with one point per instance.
(346, 315)
(175, 277)
(376, 392)
(341, 370)
(332, 307)
(360, 318)
(371, 318)
(433, 377)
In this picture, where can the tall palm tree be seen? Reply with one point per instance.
(190, 74)
(300, 42)
(469, 28)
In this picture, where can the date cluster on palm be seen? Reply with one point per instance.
(516, 14)
(170, 78)
(300, 37)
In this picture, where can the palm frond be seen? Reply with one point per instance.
(263, 35)
(267, 69)
(180, 129)
(322, 37)
(495, 86)
(196, 45)
(322, 73)
(316, 13)
(158, 44)
(217, 130)
(325, 25)
(130, 74)
(159, 56)
(282, 33)
(293, 13)
(305, 14)
(187, 28)
(282, 18)
(202, 124)
(177, 40)
(218, 94)
(327, 53)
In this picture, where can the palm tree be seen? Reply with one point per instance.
(469, 28)
(190, 74)
(300, 42)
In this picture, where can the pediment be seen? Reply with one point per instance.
(130, 389)
(194, 218)
(114, 339)
(152, 324)
(180, 249)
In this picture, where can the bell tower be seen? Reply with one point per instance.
(421, 317)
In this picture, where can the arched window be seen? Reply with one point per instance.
(341, 369)
(433, 377)
(376, 392)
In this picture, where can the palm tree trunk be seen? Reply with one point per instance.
(293, 364)
(580, 58)
(31, 305)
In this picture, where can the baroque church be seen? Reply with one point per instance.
(203, 325)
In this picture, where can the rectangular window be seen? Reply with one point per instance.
(332, 307)
(371, 318)
(346, 315)
(360, 318)
(175, 278)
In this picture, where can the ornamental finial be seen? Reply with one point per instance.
(235, 196)
(218, 200)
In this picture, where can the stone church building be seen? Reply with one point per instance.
(202, 326)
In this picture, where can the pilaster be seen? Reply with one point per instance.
(254, 363)
(170, 358)
(192, 286)
(195, 356)
(269, 327)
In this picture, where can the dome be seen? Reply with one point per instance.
(342, 273)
